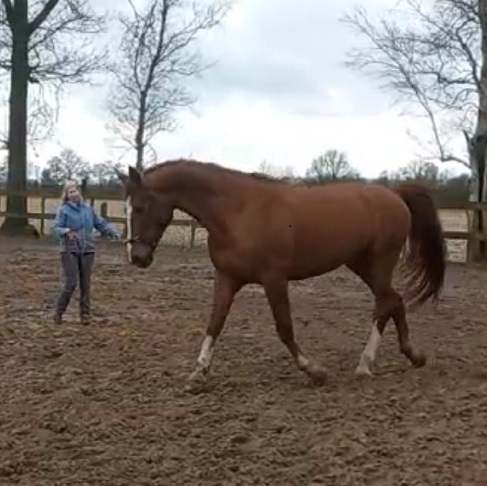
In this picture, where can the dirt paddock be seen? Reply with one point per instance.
(106, 405)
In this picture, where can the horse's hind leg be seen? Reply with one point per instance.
(276, 290)
(224, 291)
(376, 271)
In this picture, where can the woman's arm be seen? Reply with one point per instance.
(59, 226)
(103, 226)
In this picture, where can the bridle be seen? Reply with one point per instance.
(138, 239)
(131, 241)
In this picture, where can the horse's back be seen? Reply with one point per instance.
(335, 223)
(306, 231)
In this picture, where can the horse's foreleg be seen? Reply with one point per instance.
(278, 297)
(224, 291)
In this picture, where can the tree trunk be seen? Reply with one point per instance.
(140, 133)
(477, 220)
(17, 130)
(477, 149)
(139, 161)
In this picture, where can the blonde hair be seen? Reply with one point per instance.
(67, 186)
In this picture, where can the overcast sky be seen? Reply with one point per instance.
(279, 92)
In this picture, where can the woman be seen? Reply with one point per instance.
(73, 225)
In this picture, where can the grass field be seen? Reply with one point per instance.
(452, 220)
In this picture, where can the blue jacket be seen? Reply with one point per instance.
(82, 219)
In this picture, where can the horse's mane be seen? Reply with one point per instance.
(215, 168)
(212, 168)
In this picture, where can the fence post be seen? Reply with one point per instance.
(104, 209)
(483, 234)
(193, 233)
(43, 216)
(474, 243)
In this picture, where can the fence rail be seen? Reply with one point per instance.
(470, 208)
(43, 215)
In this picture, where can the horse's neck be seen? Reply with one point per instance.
(201, 207)
(200, 196)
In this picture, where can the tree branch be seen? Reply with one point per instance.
(59, 52)
(155, 55)
(42, 15)
(9, 11)
(433, 64)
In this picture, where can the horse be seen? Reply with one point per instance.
(262, 230)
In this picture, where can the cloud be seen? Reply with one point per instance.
(241, 135)
(279, 91)
(290, 55)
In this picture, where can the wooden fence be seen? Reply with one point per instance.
(471, 210)
(44, 215)
(476, 241)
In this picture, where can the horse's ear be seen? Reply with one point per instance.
(123, 177)
(134, 176)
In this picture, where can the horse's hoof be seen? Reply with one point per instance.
(195, 388)
(418, 360)
(197, 376)
(362, 371)
(318, 375)
(196, 382)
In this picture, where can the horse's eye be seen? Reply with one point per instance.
(138, 209)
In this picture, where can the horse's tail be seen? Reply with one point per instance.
(425, 252)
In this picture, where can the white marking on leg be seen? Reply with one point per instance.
(206, 353)
(368, 355)
(128, 211)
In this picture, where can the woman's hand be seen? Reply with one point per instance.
(72, 235)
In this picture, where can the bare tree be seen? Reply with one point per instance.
(67, 165)
(155, 56)
(435, 59)
(46, 44)
(105, 173)
(331, 165)
(3, 171)
(275, 170)
(418, 170)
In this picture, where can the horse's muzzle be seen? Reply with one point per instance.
(142, 261)
(141, 254)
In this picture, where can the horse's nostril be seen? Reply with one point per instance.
(142, 262)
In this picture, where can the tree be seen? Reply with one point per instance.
(435, 59)
(331, 165)
(46, 178)
(3, 171)
(155, 56)
(67, 165)
(275, 170)
(418, 170)
(42, 44)
(105, 172)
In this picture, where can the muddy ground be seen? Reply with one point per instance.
(106, 405)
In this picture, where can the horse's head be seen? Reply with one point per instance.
(148, 215)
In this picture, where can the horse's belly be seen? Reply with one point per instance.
(320, 261)
(322, 249)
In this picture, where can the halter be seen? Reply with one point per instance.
(136, 239)
(132, 240)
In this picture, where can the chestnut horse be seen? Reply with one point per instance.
(268, 231)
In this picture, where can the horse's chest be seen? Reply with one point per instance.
(245, 262)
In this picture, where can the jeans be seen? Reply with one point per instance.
(76, 266)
